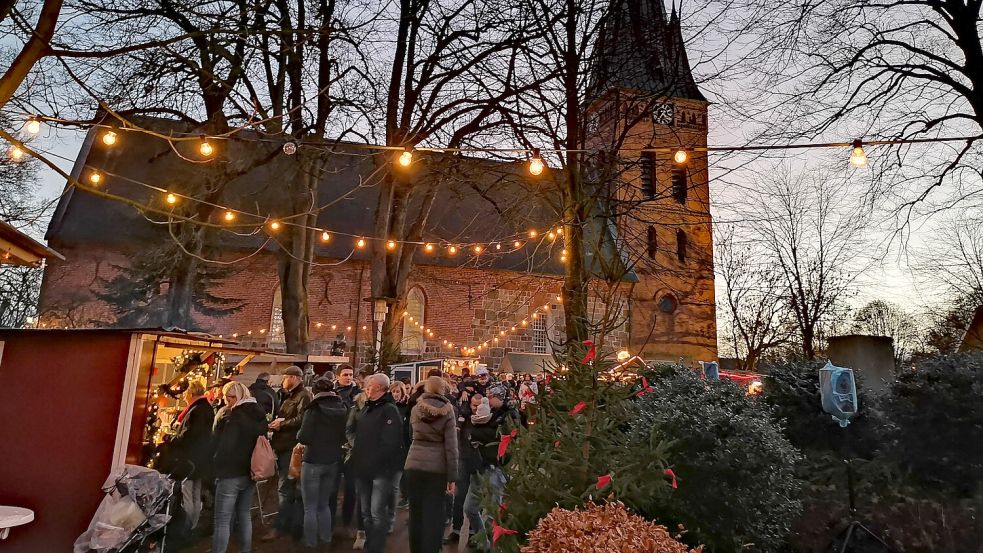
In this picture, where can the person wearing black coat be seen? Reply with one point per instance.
(191, 450)
(236, 432)
(323, 434)
(266, 396)
(375, 433)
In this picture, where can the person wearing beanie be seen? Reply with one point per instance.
(323, 434)
(492, 419)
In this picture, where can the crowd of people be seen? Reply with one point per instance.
(366, 446)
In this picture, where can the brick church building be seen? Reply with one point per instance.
(507, 298)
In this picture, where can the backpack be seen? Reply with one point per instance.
(262, 466)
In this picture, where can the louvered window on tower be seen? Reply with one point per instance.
(647, 164)
(653, 242)
(680, 186)
(681, 241)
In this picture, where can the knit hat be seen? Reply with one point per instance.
(498, 391)
(293, 370)
(481, 370)
(483, 413)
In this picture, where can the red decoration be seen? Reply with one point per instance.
(591, 352)
(499, 531)
(578, 408)
(556, 444)
(646, 389)
(671, 474)
(603, 481)
(210, 360)
(504, 441)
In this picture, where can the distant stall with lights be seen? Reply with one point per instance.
(75, 403)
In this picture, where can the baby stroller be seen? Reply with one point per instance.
(140, 508)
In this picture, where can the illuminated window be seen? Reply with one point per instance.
(539, 339)
(416, 308)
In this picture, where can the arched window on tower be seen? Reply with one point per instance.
(681, 242)
(278, 341)
(680, 184)
(647, 165)
(653, 242)
(416, 308)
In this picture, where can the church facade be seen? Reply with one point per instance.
(645, 101)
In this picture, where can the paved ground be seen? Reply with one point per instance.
(398, 542)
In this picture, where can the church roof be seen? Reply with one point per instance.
(477, 201)
(641, 49)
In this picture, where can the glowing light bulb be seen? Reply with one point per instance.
(680, 156)
(275, 225)
(559, 231)
(95, 177)
(501, 332)
(858, 158)
(477, 249)
(325, 236)
(360, 243)
(533, 233)
(16, 153)
(428, 248)
(524, 322)
(205, 148)
(536, 164)
(33, 125)
(390, 245)
(109, 138)
(334, 327)
(406, 158)
(318, 325)
(623, 355)
(535, 315)
(563, 259)
(452, 250)
(230, 216)
(551, 235)
(498, 246)
(516, 244)
(171, 199)
(559, 299)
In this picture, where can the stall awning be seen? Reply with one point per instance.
(532, 363)
(17, 248)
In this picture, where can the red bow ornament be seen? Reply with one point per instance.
(503, 443)
(578, 408)
(499, 531)
(671, 474)
(591, 352)
(646, 389)
(603, 481)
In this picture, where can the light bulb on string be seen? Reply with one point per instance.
(95, 177)
(551, 235)
(230, 216)
(275, 225)
(516, 244)
(205, 148)
(33, 125)
(536, 164)
(498, 247)
(325, 236)
(360, 243)
(533, 233)
(109, 138)
(16, 153)
(428, 248)
(171, 199)
(406, 158)
(452, 250)
(858, 157)
(477, 250)
(680, 157)
(391, 245)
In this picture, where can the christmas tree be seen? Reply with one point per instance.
(579, 450)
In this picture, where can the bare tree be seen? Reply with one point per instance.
(813, 230)
(881, 318)
(954, 259)
(879, 69)
(753, 308)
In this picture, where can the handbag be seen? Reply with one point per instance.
(296, 459)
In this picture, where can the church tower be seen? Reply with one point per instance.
(643, 97)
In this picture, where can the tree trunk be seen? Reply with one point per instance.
(296, 255)
(33, 51)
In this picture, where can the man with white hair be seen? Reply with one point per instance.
(375, 432)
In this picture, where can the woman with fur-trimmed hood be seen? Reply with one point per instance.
(431, 465)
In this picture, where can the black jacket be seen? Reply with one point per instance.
(235, 438)
(191, 448)
(292, 413)
(267, 397)
(376, 434)
(323, 429)
(483, 439)
(347, 394)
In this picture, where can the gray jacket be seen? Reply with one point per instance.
(434, 445)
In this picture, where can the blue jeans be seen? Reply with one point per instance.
(233, 496)
(289, 517)
(472, 503)
(390, 523)
(317, 483)
(374, 495)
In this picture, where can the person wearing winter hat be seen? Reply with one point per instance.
(323, 434)
(492, 419)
